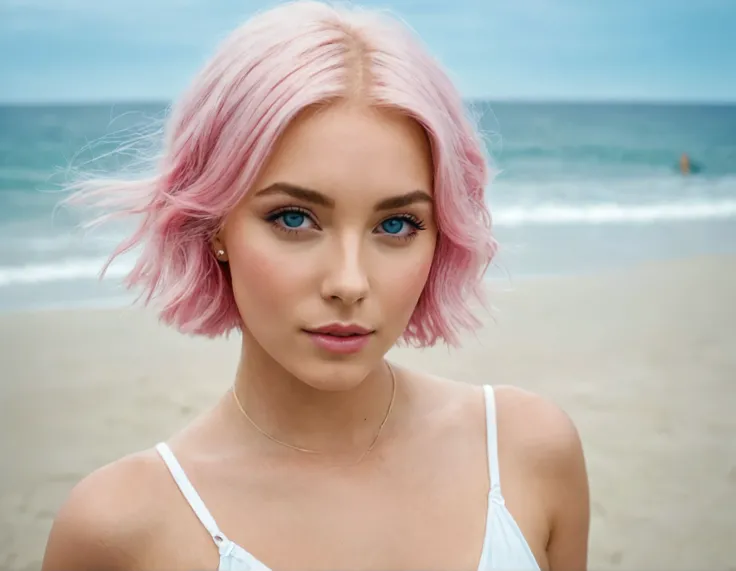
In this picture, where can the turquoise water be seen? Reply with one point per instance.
(581, 187)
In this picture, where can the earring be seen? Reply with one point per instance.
(220, 253)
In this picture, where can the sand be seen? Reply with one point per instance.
(643, 360)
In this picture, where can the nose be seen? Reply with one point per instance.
(346, 279)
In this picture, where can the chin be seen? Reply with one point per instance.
(332, 374)
(317, 368)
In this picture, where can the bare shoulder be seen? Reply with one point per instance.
(453, 402)
(106, 521)
(536, 426)
(544, 444)
(538, 429)
(541, 460)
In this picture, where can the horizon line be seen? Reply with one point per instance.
(469, 100)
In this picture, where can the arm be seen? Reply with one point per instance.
(550, 459)
(570, 519)
(78, 541)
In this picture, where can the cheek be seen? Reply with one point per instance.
(264, 280)
(403, 283)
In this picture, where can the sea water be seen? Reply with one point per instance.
(577, 188)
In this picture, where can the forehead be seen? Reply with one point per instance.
(352, 150)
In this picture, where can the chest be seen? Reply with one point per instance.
(430, 517)
(409, 521)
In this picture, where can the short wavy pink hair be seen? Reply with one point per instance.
(221, 131)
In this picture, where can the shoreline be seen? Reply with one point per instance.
(495, 275)
(526, 252)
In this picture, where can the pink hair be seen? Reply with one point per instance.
(223, 128)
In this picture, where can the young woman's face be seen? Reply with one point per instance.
(331, 248)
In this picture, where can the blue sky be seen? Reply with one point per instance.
(92, 50)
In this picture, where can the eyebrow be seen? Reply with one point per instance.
(315, 197)
(299, 192)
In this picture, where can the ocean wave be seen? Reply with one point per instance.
(614, 213)
(81, 267)
(64, 270)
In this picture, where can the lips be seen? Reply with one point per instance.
(341, 330)
(340, 338)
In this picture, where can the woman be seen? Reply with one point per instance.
(322, 193)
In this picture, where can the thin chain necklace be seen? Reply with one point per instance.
(311, 451)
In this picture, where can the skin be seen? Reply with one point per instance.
(419, 499)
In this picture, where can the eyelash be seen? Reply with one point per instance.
(416, 224)
(274, 216)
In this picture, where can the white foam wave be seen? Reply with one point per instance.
(608, 213)
(69, 269)
(86, 268)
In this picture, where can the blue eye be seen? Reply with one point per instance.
(293, 219)
(393, 225)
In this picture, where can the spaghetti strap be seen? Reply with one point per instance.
(492, 441)
(190, 494)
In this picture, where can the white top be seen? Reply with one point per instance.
(504, 546)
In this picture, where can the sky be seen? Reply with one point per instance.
(125, 50)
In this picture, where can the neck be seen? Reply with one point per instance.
(337, 417)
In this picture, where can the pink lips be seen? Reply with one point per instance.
(339, 338)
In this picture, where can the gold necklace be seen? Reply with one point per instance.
(310, 451)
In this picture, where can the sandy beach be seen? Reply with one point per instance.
(643, 360)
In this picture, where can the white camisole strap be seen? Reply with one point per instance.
(492, 442)
(189, 493)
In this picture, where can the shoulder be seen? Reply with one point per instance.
(451, 405)
(542, 440)
(539, 428)
(535, 427)
(106, 521)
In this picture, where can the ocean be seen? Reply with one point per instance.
(580, 188)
